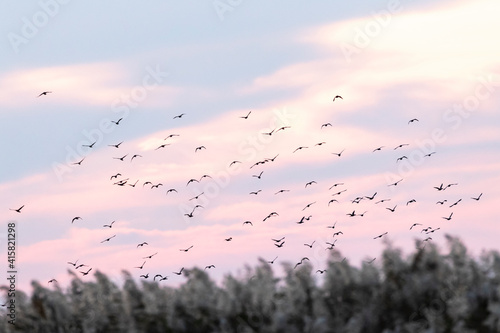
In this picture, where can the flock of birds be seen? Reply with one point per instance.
(338, 189)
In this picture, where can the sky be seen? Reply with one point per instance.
(123, 72)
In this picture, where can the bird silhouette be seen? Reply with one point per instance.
(372, 197)
(115, 176)
(279, 244)
(171, 136)
(107, 239)
(117, 122)
(73, 263)
(172, 190)
(142, 266)
(192, 180)
(144, 275)
(234, 162)
(91, 145)
(449, 217)
(209, 266)
(477, 198)
(248, 222)
(157, 275)
(44, 93)
(414, 225)
(411, 201)
(441, 202)
(162, 146)
(412, 120)
(199, 148)
(282, 128)
(256, 192)
(196, 197)
(272, 261)
(150, 256)
(381, 235)
(120, 158)
(310, 245)
(228, 239)
(392, 209)
(281, 191)
(401, 145)
(79, 162)
(246, 117)
(377, 149)
(310, 183)
(117, 145)
(430, 154)
(300, 148)
(321, 271)
(339, 154)
(258, 176)
(308, 205)
(52, 280)
(87, 272)
(179, 116)
(335, 185)
(187, 249)
(179, 272)
(455, 203)
(134, 156)
(278, 240)
(396, 183)
(338, 96)
(142, 244)
(76, 218)
(18, 210)
(333, 200)
(326, 125)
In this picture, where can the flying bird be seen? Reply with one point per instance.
(44, 93)
(179, 116)
(301, 147)
(281, 191)
(309, 205)
(449, 217)
(333, 200)
(209, 266)
(134, 156)
(396, 183)
(246, 117)
(310, 183)
(278, 240)
(256, 192)
(52, 280)
(18, 210)
(73, 263)
(142, 244)
(234, 162)
(339, 154)
(381, 235)
(272, 261)
(76, 218)
(91, 145)
(456, 203)
(411, 201)
(191, 181)
(171, 136)
(162, 146)
(120, 158)
(310, 245)
(117, 145)
(107, 239)
(187, 249)
(150, 256)
(326, 125)
(338, 96)
(414, 225)
(144, 275)
(79, 162)
(279, 244)
(87, 272)
(117, 122)
(142, 266)
(392, 209)
(401, 145)
(412, 120)
(377, 149)
(196, 197)
(228, 239)
(179, 272)
(172, 190)
(372, 197)
(478, 197)
(199, 148)
(259, 175)
(248, 222)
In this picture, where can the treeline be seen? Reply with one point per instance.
(426, 291)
